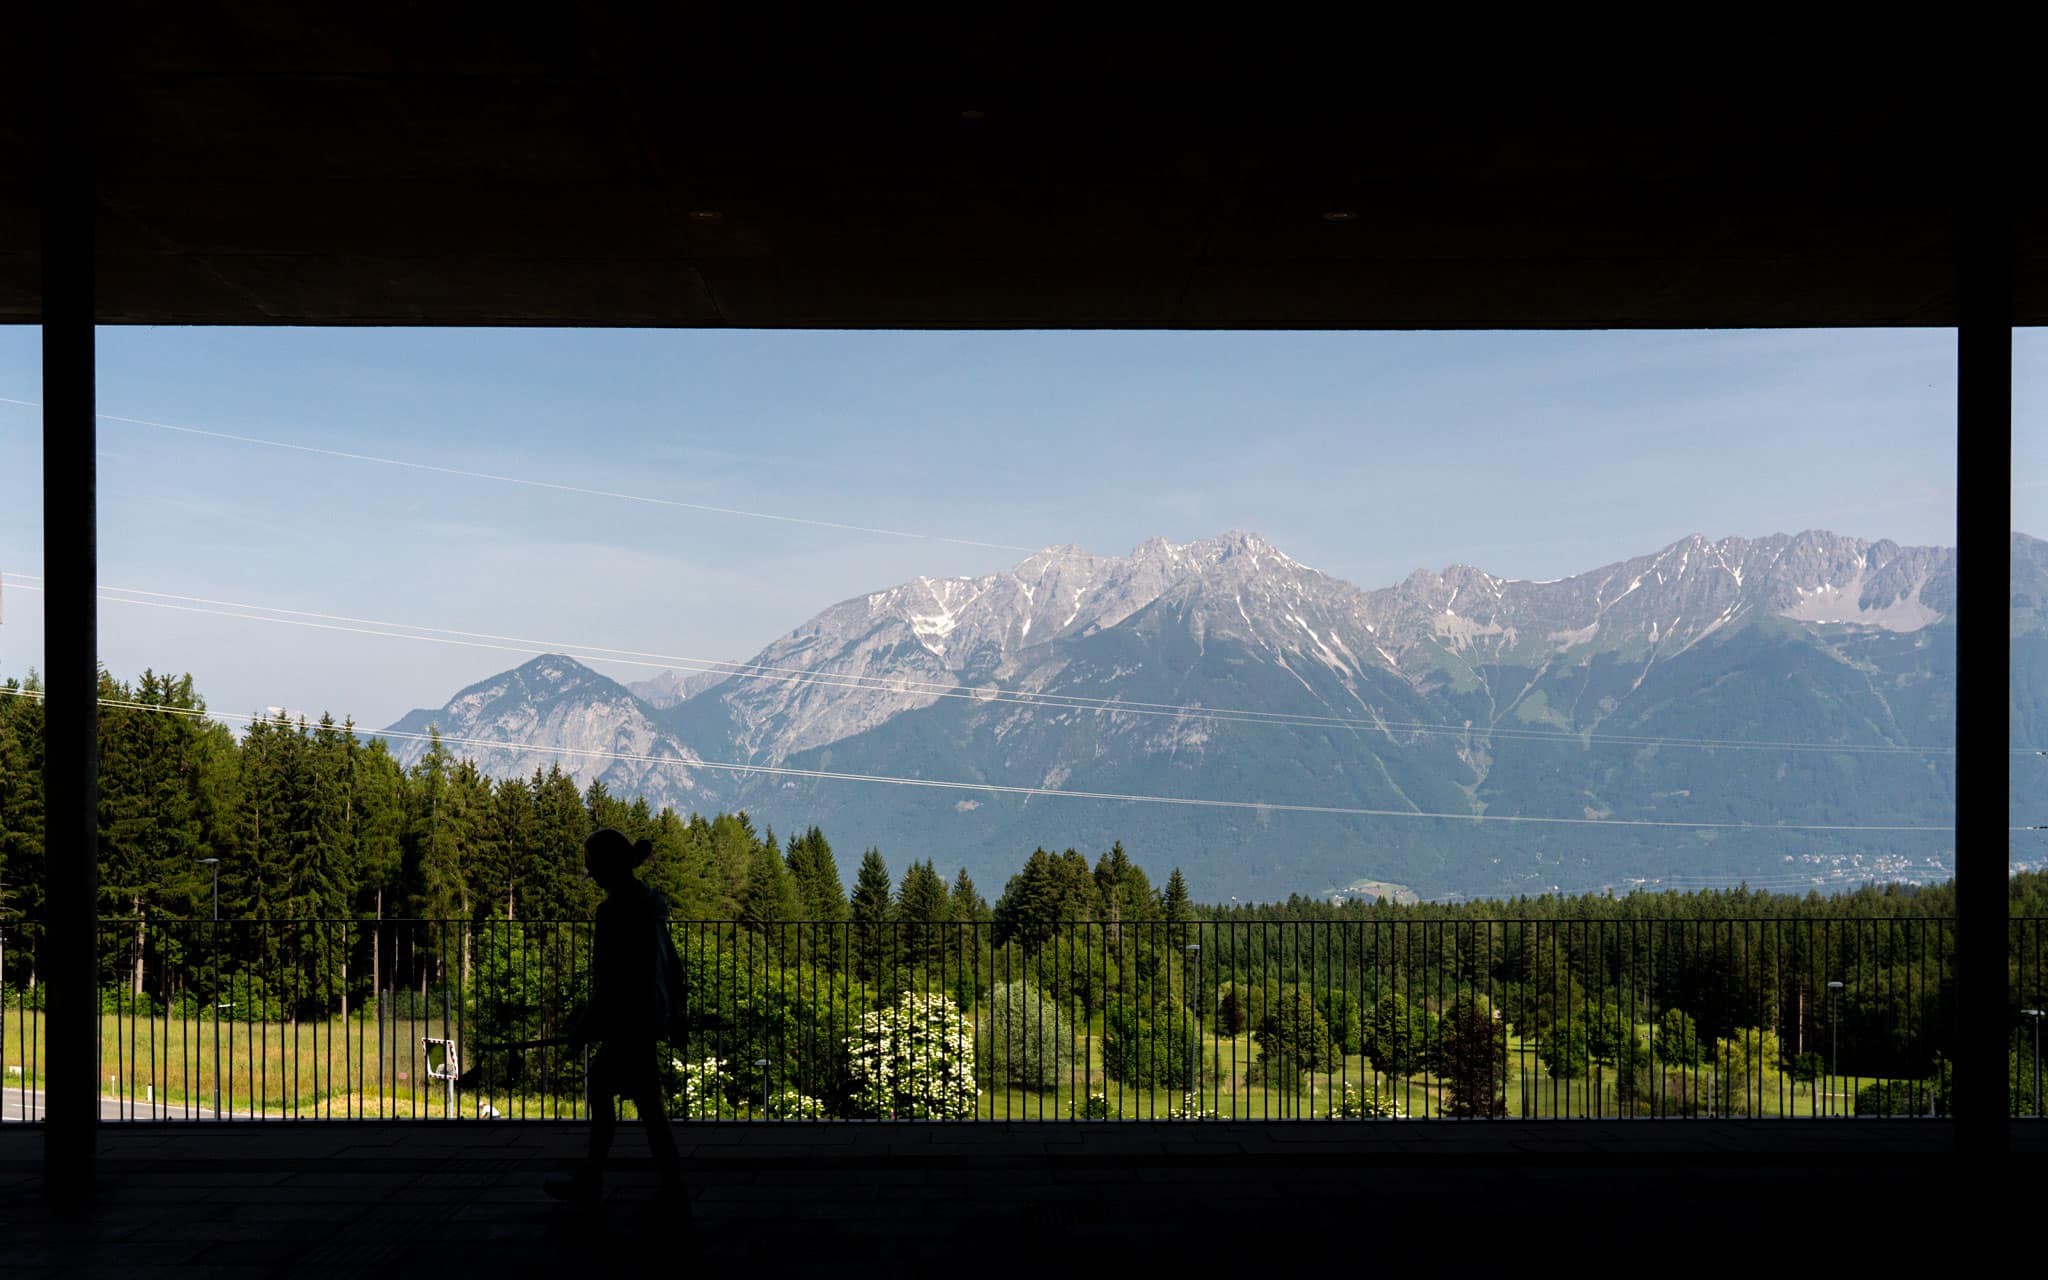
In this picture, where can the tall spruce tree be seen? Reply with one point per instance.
(922, 906)
(873, 943)
(1174, 905)
(21, 799)
(969, 907)
(770, 899)
(1029, 910)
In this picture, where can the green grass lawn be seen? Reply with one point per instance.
(330, 1069)
(339, 1068)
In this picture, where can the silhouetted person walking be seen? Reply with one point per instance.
(635, 998)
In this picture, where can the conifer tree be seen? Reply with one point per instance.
(816, 873)
(870, 912)
(1174, 905)
(967, 903)
(1029, 910)
(921, 905)
(770, 898)
(21, 799)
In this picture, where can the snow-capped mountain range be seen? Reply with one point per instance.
(1224, 668)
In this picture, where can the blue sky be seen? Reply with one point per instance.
(1366, 455)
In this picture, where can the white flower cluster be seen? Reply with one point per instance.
(704, 1086)
(1095, 1108)
(791, 1105)
(1189, 1109)
(914, 1061)
(1366, 1106)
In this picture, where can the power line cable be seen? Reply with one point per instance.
(899, 685)
(531, 483)
(825, 775)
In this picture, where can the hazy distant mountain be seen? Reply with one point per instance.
(562, 713)
(670, 687)
(1242, 674)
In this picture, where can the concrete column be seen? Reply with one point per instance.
(1984, 667)
(71, 642)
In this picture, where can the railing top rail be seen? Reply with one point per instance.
(1205, 922)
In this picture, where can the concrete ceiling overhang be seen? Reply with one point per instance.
(258, 166)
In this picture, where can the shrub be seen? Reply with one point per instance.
(700, 1088)
(124, 1000)
(1899, 1098)
(1025, 1039)
(1137, 1053)
(913, 1060)
(1395, 1036)
(791, 1105)
(1564, 1048)
(1745, 1065)
(1347, 1027)
(1678, 1039)
(1471, 1052)
(1094, 1107)
(1294, 1040)
(1367, 1105)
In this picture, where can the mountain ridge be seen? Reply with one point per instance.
(1419, 696)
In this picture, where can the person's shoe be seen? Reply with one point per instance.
(578, 1188)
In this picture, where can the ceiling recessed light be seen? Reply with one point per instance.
(706, 215)
(1340, 215)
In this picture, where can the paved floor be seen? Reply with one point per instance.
(887, 1199)
(27, 1104)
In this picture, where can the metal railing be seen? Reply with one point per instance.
(1075, 1020)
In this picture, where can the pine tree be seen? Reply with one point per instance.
(967, 903)
(552, 868)
(1174, 906)
(816, 873)
(1123, 890)
(732, 848)
(770, 899)
(1029, 910)
(435, 838)
(872, 943)
(921, 905)
(820, 895)
(681, 867)
(21, 799)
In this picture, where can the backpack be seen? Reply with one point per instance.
(672, 982)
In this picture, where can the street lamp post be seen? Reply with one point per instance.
(1195, 1033)
(1834, 1038)
(2035, 1014)
(761, 1065)
(215, 864)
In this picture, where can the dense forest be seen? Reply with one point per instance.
(314, 822)
(318, 821)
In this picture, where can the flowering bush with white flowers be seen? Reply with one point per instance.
(1189, 1109)
(702, 1087)
(791, 1105)
(913, 1061)
(1096, 1107)
(1366, 1106)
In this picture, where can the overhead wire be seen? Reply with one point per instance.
(531, 483)
(900, 685)
(829, 775)
(897, 684)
